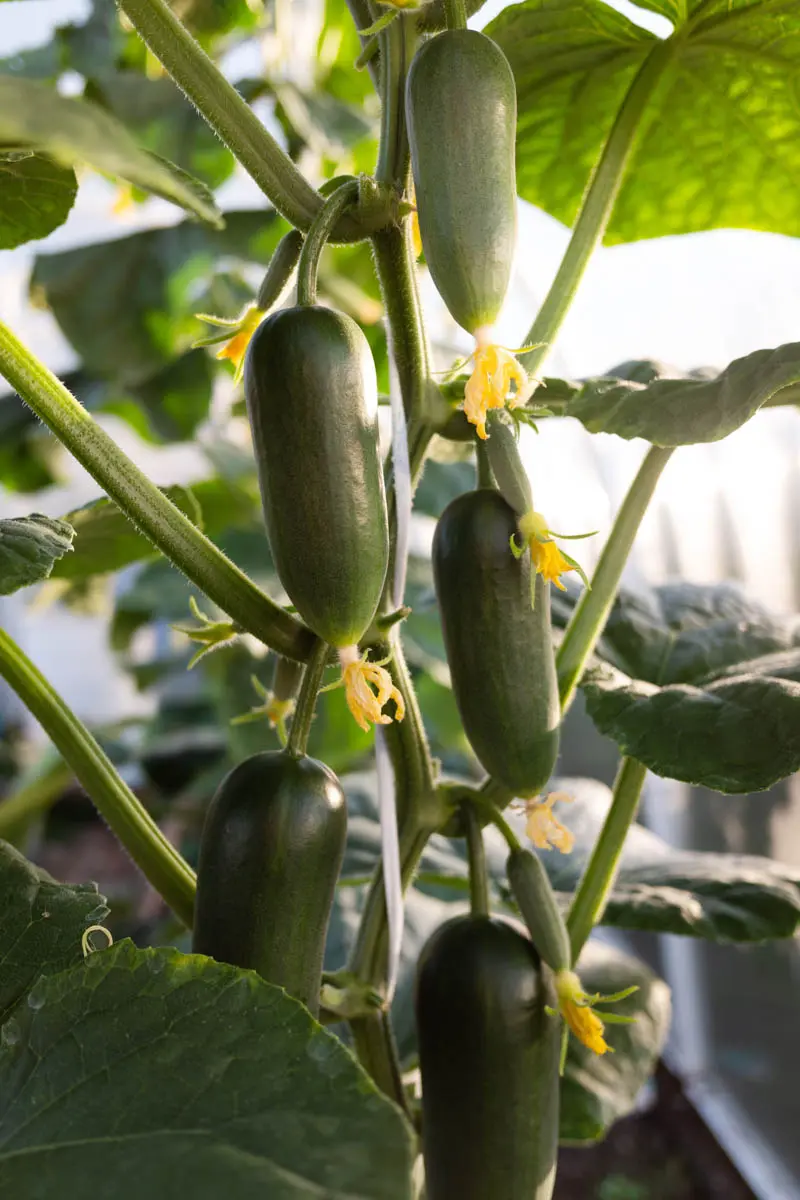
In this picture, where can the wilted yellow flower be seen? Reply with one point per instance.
(497, 381)
(360, 677)
(236, 346)
(575, 1007)
(547, 559)
(544, 828)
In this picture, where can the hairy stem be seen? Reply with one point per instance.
(158, 860)
(455, 12)
(398, 42)
(590, 898)
(224, 110)
(147, 507)
(476, 854)
(397, 276)
(320, 231)
(591, 613)
(597, 206)
(307, 700)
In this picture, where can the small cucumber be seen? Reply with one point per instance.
(461, 111)
(499, 648)
(536, 900)
(489, 1058)
(312, 400)
(270, 854)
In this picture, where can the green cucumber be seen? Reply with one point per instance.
(270, 855)
(499, 648)
(536, 901)
(312, 400)
(489, 1058)
(461, 111)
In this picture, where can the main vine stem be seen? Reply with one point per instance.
(158, 860)
(591, 613)
(146, 506)
(597, 206)
(598, 878)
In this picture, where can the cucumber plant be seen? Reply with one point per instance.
(509, 1023)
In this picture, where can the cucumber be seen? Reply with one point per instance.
(270, 855)
(489, 1058)
(499, 648)
(461, 111)
(536, 900)
(312, 401)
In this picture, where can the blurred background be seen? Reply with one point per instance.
(722, 512)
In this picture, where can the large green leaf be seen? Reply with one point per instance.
(733, 735)
(680, 412)
(164, 121)
(43, 922)
(687, 632)
(719, 138)
(29, 547)
(660, 889)
(106, 541)
(709, 687)
(597, 1091)
(36, 195)
(153, 1072)
(72, 131)
(128, 306)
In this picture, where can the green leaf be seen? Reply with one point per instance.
(152, 1072)
(128, 306)
(171, 404)
(106, 540)
(660, 889)
(29, 547)
(72, 131)
(708, 691)
(719, 140)
(680, 412)
(36, 196)
(165, 122)
(687, 632)
(731, 735)
(42, 925)
(598, 1090)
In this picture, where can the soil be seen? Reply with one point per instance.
(665, 1153)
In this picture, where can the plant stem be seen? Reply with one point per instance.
(484, 466)
(362, 19)
(397, 276)
(455, 13)
(224, 110)
(597, 206)
(498, 820)
(376, 1050)
(280, 270)
(318, 235)
(598, 878)
(398, 42)
(307, 700)
(158, 860)
(588, 620)
(476, 854)
(148, 508)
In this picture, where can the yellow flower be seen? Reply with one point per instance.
(497, 380)
(575, 1007)
(123, 200)
(546, 558)
(543, 828)
(236, 347)
(360, 677)
(276, 711)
